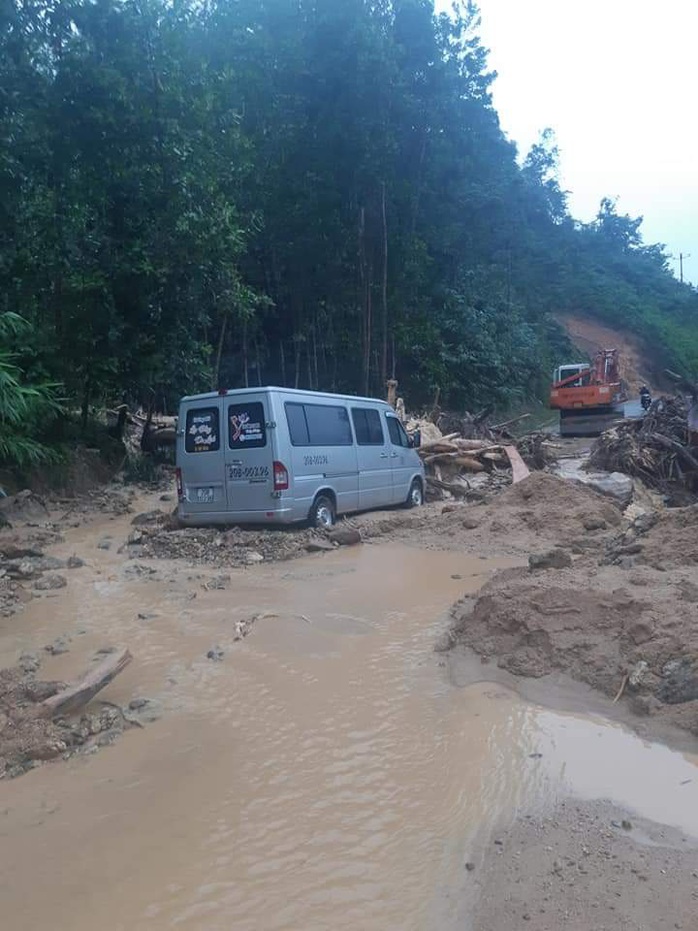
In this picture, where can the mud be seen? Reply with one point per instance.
(321, 769)
(586, 865)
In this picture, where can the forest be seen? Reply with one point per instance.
(313, 193)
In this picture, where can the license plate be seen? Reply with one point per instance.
(204, 495)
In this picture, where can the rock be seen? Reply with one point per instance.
(136, 536)
(456, 575)
(104, 544)
(253, 558)
(344, 536)
(553, 559)
(74, 562)
(145, 616)
(470, 867)
(594, 523)
(50, 582)
(627, 562)
(216, 654)
(219, 582)
(137, 703)
(318, 546)
(14, 549)
(637, 674)
(59, 645)
(148, 517)
(166, 497)
(25, 505)
(680, 682)
(626, 825)
(29, 662)
(104, 651)
(449, 508)
(471, 523)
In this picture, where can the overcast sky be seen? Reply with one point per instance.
(615, 80)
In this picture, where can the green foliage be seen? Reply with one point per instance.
(26, 410)
(315, 194)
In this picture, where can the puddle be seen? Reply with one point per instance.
(324, 774)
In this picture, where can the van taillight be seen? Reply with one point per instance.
(280, 477)
(180, 487)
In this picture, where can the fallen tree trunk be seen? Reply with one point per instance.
(85, 689)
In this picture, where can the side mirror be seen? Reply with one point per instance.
(415, 440)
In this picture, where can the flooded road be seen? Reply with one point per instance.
(324, 774)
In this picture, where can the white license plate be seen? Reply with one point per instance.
(204, 495)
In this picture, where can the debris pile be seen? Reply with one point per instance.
(453, 460)
(42, 721)
(655, 448)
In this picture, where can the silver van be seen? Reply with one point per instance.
(277, 455)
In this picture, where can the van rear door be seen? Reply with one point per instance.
(200, 457)
(249, 459)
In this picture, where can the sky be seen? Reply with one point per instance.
(615, 80)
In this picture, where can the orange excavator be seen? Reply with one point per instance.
(588, 396)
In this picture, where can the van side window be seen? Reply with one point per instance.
(246, 427)
(318, 425)
(201, 431)
(398, 437)
(297, 426)
(367, 426)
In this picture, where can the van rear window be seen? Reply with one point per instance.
(318, 425)
(246, 427)
(367, 426)
(202, 433)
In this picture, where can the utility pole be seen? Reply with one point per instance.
(681, 257)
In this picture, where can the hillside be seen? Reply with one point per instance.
(313, 195)
(637, 364)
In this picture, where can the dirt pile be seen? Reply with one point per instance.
(664, 540)
(27, 737)
(540, 512)
(607, 627)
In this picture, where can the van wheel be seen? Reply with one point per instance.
(323, 513)
(415, 498)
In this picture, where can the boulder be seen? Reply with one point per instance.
(344, 536)
(553, 559)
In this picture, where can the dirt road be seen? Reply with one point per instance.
(308, 761)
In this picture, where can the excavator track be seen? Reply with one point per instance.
(588, 423)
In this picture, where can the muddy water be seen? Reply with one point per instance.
(324, 774)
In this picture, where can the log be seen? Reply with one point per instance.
(472, 444)
(466, 462)
(85, 689)
(519, 468)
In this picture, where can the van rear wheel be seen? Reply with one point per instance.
(323, 513)
(415, 497)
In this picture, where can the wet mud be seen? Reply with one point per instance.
(308, 762)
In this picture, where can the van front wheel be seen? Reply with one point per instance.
(323, 513)
(415, 498)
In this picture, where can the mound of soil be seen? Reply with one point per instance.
(541, 511)
(605, 627)
(27, 737)
(669, 543)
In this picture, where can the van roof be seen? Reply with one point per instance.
(269, 389)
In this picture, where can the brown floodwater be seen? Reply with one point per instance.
(325, 774)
